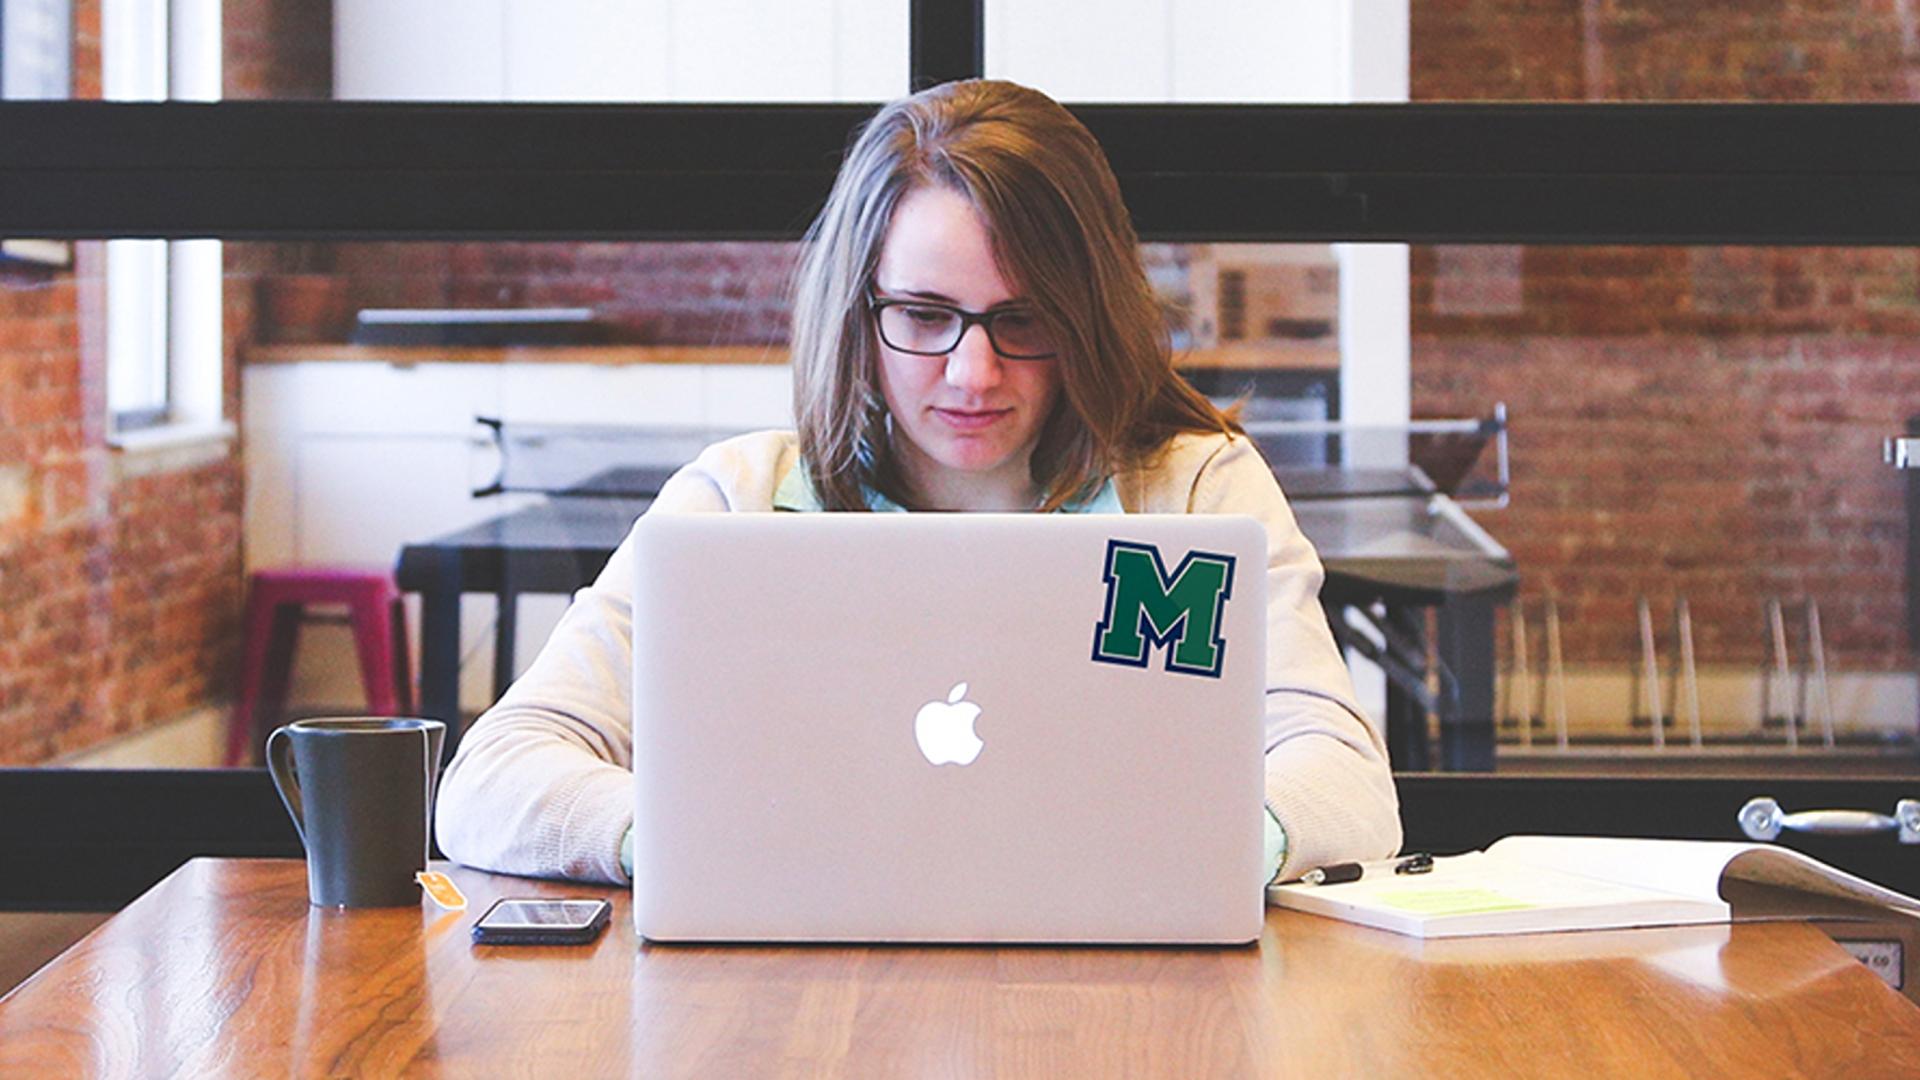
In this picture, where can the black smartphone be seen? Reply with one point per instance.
(542, 922)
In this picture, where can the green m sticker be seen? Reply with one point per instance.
(1180, 612)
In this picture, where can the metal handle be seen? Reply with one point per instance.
(1762, 819)
(286, 778)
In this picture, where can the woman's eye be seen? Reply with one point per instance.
(928, 316)
(1017, 321)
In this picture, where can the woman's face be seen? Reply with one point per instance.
(964, 424)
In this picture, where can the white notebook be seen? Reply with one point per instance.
(1529, 884)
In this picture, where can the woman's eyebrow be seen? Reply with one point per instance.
(917, 294)
(929, 294)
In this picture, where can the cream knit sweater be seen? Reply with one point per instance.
(541, 785)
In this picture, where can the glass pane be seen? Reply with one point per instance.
(136, 326)
(1641, 50)
(1696, 424)
(356, 373)
(1700, 510)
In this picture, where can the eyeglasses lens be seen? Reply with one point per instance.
(934, 331)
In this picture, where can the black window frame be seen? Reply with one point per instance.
(1416, 173)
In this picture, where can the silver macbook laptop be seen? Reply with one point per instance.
(948, 727)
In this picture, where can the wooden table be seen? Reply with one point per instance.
(223, 969)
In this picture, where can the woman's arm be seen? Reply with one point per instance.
(1328, 782)
(542, 783)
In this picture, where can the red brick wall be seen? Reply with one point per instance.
(280, 50)
(120, 577)
(1664, 50)
(1686, 421)
(117, 591)
(678, 293)
(49, 641)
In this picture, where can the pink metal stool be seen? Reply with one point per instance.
(276, 600)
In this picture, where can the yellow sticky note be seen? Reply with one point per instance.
(1450, 901)
(441, 890)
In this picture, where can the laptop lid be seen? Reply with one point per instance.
(948, 727)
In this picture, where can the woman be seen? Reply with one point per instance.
(972, 331)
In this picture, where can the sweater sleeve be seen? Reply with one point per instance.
(542, 784)
(1327, 779)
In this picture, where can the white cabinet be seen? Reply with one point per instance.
(347, 462)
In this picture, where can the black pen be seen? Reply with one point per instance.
(1339, 873)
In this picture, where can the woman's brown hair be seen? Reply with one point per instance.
(1062, 238)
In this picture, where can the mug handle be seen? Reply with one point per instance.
(285, 781)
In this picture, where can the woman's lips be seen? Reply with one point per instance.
(971, 419)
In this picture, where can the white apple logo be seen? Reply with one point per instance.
(945, 729)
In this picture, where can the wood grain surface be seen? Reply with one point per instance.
(223, 969)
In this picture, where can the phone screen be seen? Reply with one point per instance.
(541, 914)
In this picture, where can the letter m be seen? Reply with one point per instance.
(1180, 612)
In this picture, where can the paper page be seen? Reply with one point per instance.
(1687, 867)
(1771, 865)
(1472, 885)
(1692, 867)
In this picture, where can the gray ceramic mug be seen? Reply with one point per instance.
(360, 790)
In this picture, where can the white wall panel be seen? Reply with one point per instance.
(749, 50)
(620, 50)
(1195, 50)
(1258, 51)
(419, 50)
(870, 50)
(1378, 39)
(1083, 50)
(586, 50)
(1375, 346)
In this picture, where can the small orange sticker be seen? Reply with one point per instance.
(442, 890)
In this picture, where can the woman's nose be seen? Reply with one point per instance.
(973, 365)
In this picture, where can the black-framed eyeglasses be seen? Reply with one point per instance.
(930, 328)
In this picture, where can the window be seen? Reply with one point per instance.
(164, 356)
